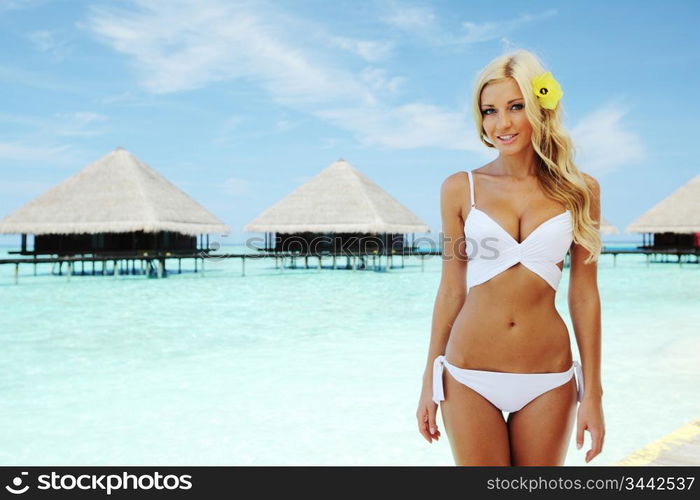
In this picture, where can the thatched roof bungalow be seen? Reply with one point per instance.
(117, 205)
(674, 222)
(606, 227)
(340, 209)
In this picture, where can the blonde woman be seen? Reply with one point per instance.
(507, 227)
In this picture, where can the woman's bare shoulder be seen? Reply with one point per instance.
(454, 182)
(592, 181)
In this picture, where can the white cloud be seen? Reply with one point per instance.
(423, 23)
(283, 125)
(410, 17)
(602, 143)
(176, 47)
(328, 143)
(35, 79)
(377, 79)
(369, 50)
(20, 4)
(18, 151)
(508, 45)
(22, 119)
(42, 39)
(63, 155)
(49, 42)
(408, 126)
(228, 130)
(482, 32)
(129, 98)
(81, 123)
(231, 130)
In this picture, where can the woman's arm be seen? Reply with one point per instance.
(584, 305)
(452, 290)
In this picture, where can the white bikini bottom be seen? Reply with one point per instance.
(507, 391)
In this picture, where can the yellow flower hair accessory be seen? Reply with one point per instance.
(547, 90)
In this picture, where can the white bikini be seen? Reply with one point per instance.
(496, 251)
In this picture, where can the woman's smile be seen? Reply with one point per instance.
(509, 139)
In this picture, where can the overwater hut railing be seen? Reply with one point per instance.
(149, 263)
(152, 264)
(658, 255)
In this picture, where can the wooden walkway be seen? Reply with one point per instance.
(681, 447)
(153, 264)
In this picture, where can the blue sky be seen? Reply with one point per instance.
(238, 103)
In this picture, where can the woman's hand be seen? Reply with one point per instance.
(425, 414)
(590, 417)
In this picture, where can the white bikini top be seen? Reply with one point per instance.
(494, 250)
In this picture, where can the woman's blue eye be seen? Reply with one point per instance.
(486, 111)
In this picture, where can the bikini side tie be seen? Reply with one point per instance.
(579, 381)
(438, 366)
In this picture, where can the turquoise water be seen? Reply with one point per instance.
(294, 367)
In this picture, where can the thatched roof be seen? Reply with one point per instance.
(340, 199)
(606, 227)
(677, 213)
(117, 193)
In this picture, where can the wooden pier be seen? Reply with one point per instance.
(655, 255)
(149, 264)
(154, 264)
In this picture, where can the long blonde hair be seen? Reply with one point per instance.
(558, 175)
